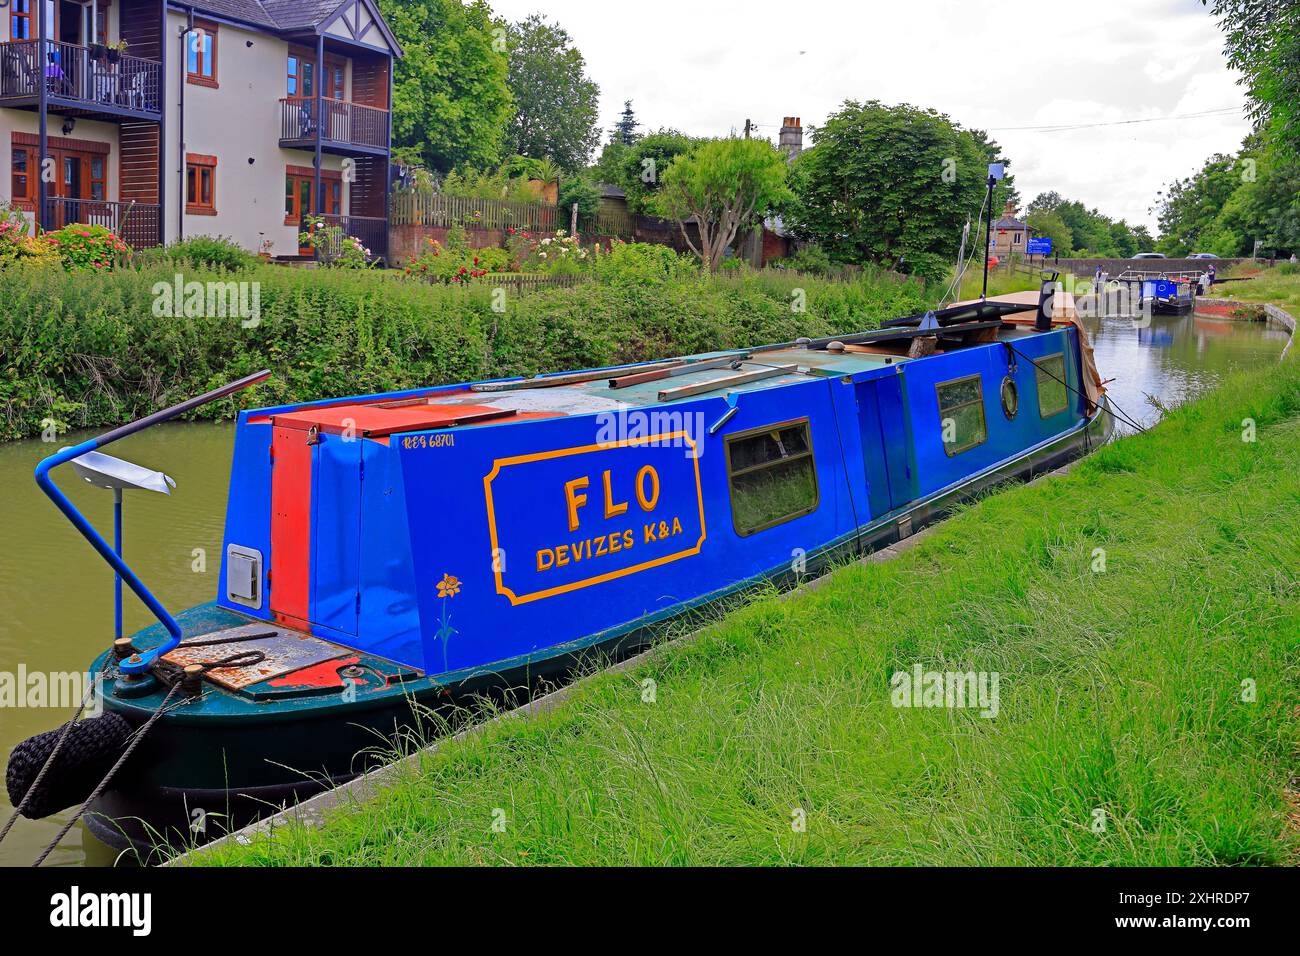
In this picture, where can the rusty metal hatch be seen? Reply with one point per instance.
(286, 651)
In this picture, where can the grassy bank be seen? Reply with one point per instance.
(1001, 282)
(88, 349)
(1147, 711)
(1279, 285)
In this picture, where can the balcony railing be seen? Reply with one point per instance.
(136, 223)
(371, 230)
(84, 74)
(344, 123)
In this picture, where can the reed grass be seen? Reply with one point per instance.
(1147, 712)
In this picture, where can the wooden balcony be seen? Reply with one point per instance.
(345, 127)
(91, 81)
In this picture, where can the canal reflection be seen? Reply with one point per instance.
(1175, 357)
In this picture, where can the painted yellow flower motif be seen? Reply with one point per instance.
(449, 586)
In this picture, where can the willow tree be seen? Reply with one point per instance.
(720, 186)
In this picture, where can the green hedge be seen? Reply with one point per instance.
(87, 350)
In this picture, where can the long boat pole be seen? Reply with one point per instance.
(988, 237)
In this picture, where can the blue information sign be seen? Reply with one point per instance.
(1039, 247)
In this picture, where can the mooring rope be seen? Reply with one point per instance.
(242, 659)
(49, 761)
(94, 795)
(1110, 407)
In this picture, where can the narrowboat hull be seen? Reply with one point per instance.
(188, 766)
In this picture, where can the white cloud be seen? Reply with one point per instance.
(705, 66)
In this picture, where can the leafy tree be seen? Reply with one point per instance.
(451, 101)
(556, 104)
(1232, 201)
(1047, 224)
(1188, 207)
(609, 165)
(1262, 41)
(646, 162)
(1089, 232)
(724, 184)
(583, 191)
(884, 183)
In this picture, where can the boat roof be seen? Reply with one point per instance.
(663, 382)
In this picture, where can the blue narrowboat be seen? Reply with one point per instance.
(387, 550)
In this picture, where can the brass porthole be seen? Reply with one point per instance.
(1010, 398)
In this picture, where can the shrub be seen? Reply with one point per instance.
(488, 184)
(17, 246)
(452, 263)
(809, 258)
(352, 254)
(88, 248)
(213, 252)
(581, 190)
(642, 262)
(556, 255)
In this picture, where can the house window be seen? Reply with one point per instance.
(772, 475)
(1016, 238)
(1049, 373)
(201, 54)
(299, 193)
(98, 182)
(200, 185)
(20, 20)
(961, 414)
(101, 21)
(301, 79)
(22, 174)
(335, 79)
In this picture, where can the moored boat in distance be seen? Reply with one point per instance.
(385, 550)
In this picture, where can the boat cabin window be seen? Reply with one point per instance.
(961, 414)
(772, 475)
(1049, 373)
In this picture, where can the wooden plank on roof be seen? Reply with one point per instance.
(651, 375)
(699, 388)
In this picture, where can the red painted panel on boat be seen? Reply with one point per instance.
(291, 488)
(338, 402)
(325, 674)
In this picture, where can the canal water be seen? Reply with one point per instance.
(1175, 358)
(56, 596)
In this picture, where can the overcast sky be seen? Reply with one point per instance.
(704, 66)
